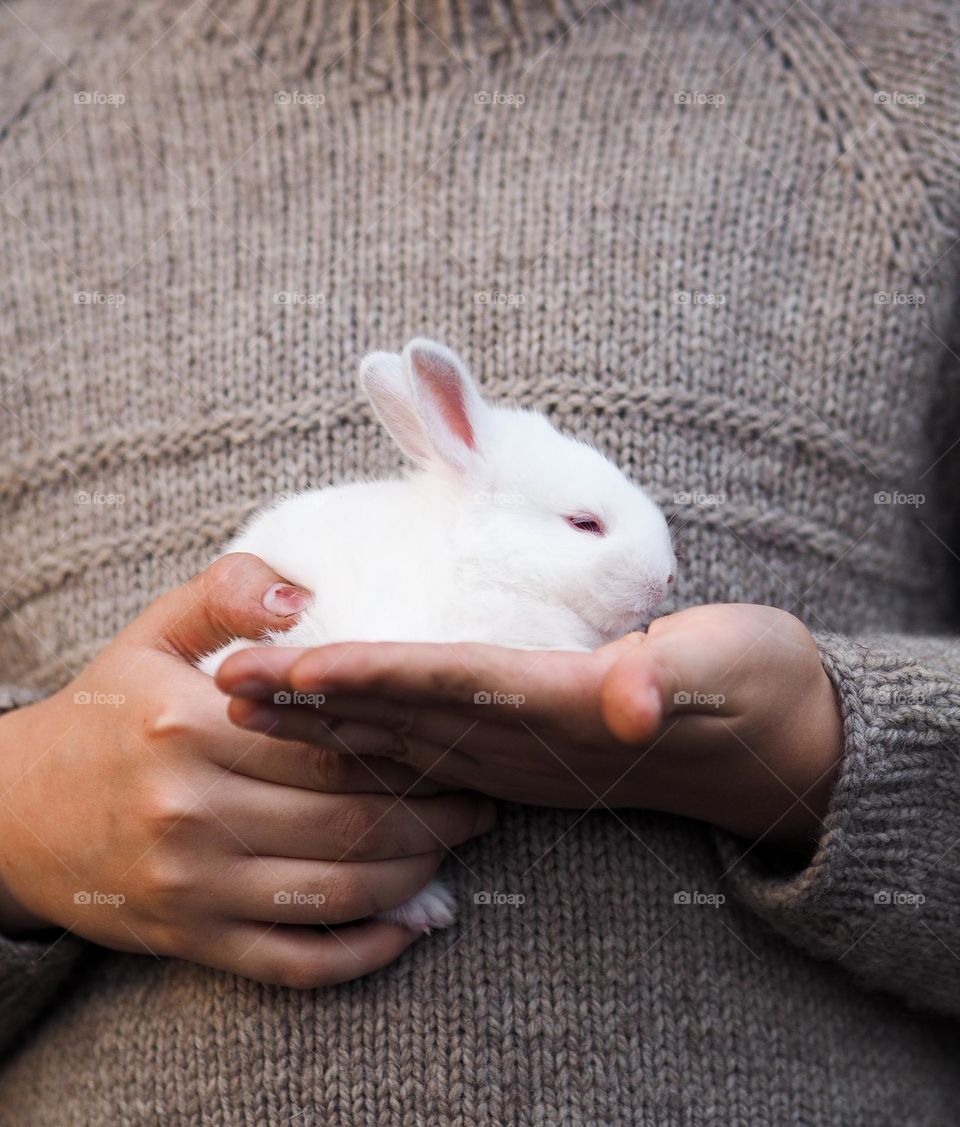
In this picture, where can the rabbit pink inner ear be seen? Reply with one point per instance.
(450, 405)
(446, 389)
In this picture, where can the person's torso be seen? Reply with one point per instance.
(694, 234)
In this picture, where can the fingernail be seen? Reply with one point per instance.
(283, 599)
(656, 704)
(486, 816)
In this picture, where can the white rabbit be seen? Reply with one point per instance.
(506, 532)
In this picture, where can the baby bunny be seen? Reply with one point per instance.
(505, 532)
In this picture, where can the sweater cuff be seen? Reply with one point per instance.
(881, 894)
(31, 972)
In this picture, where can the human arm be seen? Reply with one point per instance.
(735, 715)
(134, 815)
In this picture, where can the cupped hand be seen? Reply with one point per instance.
(133, 813)
(722, 713)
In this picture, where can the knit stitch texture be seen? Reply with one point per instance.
(717, 239)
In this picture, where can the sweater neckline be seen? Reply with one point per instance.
(311, 37)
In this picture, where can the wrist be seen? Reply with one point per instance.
(15, 917)
(787, 771)
(819, 749)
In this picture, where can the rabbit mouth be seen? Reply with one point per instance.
(651, 596)
(636, 616)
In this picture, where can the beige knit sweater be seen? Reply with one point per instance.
(717, 238)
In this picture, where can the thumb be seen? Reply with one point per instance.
(237, 596)
(638, 691)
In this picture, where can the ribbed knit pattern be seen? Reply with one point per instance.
(690, 283)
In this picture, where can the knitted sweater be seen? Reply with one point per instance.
(717, 239)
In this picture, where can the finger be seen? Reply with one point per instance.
(376, 722)
(669, 673)
(420, 742)
(303, 958)
(631, 697)
(461, 675)
(431, 672)
(238, 596)
(329, 762)
(280, 890)
(260, 671)
(457, 677)
(276, 821)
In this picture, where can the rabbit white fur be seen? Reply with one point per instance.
(506, 532)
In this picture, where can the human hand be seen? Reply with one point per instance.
(721, 712)
(133, 813)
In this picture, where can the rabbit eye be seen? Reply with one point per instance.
(585, 522)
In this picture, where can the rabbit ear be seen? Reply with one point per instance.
(448, 403)
(385, 384)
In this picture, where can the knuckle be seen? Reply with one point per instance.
(167, 938)
(169, 724)
(222, 575)
(221, 585)
(355, 823)
(165, 878)
(169, 807)
(325, 770)
(346, 898)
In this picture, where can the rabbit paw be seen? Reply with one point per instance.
(432, 907)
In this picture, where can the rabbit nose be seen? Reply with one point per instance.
(670, 578)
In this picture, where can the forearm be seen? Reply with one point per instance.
(17, 727)
(33, 962)
(881, 893)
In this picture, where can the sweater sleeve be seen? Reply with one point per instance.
(32, 969)
(31, 972)
(881, 894)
